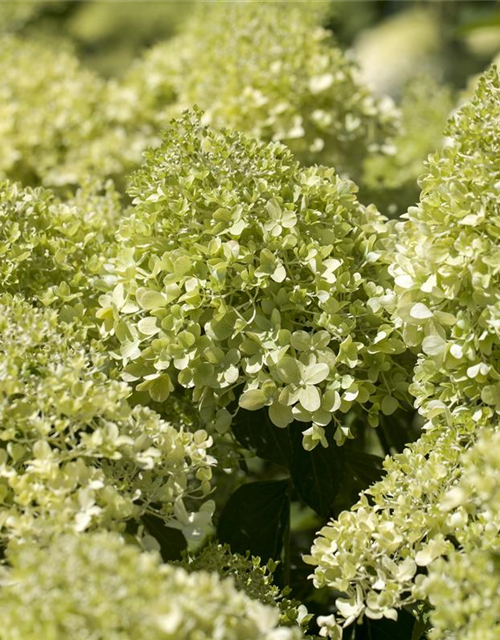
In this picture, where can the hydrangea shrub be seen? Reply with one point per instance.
(238, 307)
(242, 276)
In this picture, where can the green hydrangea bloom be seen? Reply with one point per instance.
(74, 455)
(270, 70)
(447, 280)
(249, 576)
(372, 553)
(59, 122)
(51, 249)
(464, 587)
(95, 586)
(447, 263)
(239, 271)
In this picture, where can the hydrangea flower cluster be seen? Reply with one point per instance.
(250, 576)
(242, 275)
(464, 587)
(96, 586)
(372, 553)
(270, 70)
(436, 506)
(51, 248)
(74, 455)
(447, 264)
(60, 122)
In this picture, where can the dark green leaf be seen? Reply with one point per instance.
(172, 542)
(256, 432)
(318, 474)
(366, 467)
(255, 518)
(361, 470)
(385, 629)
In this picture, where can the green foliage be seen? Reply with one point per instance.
(238, 271)
(74, 455)
(95, 586)
(50, 248)
(270, 70)
(256, 518)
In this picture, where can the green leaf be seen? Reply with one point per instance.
(255, 519)
(389, 405)
(317, 474)
(172, 542)
(256, 432)
(361, 470)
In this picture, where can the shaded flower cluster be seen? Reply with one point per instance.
(59, 122)
(250, 576)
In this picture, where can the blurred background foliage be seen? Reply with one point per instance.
(423, 54)
(393, 40)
